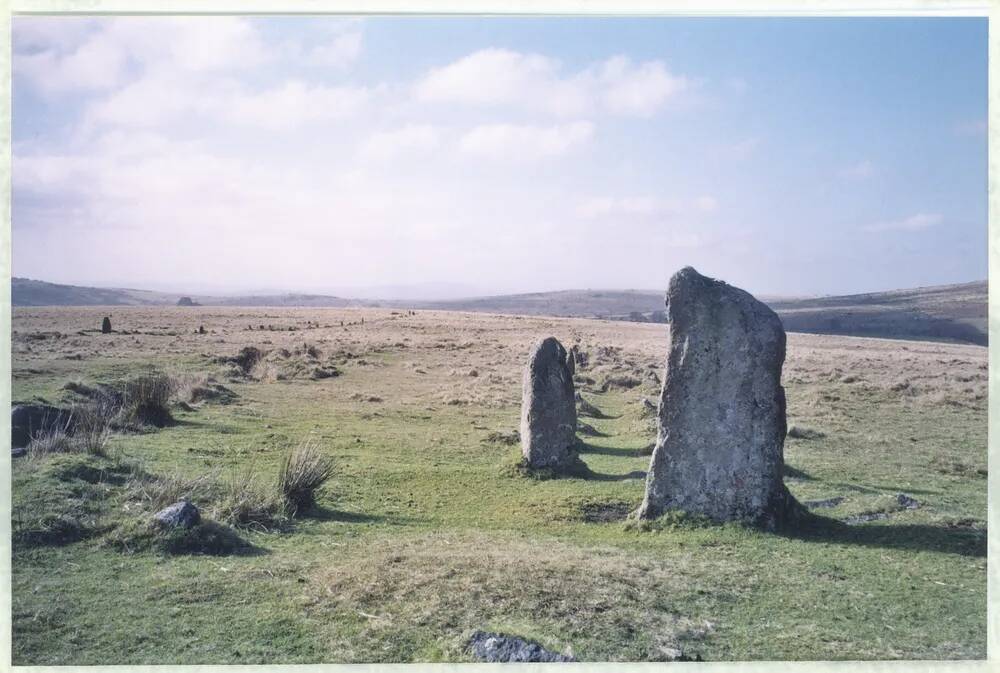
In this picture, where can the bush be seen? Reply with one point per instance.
(303, 470)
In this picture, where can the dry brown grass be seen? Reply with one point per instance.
(447, 584)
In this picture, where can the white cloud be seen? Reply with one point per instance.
(57, 54)
(639, 90)
(290, 105)
(94, 64)
(648, 207)
(339, 51)
(859, 171)
(535, 83)
(160, 99)
(917, 222)
(389, 144)
(515, 142)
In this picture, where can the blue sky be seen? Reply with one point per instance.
(487, 155)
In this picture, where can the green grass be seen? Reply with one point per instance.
(425, 535)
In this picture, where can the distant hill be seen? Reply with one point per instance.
(27, 292)
(568, 303)
(944, 312)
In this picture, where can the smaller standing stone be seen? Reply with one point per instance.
(548, 409)
(178, 515)
(571, 361)
(106, 325)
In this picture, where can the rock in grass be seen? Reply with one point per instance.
(106, 326)
(178, 515)
(721, 422)
(548, 410)
(30, 420)
(498, 648)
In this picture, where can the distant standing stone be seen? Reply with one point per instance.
(180, 514)
(548, 409)
(106, 325)
(721, 420)
(571, 361)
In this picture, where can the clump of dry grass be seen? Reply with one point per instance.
(245, 502)
(145, 400)
(53, 440)
(303, 471)
(93, 421)
(156, 492)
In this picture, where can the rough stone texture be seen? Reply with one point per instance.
(27, 420)
(495, 647)
(106, 326)
(571, 361)
(721, 420)
(548, 409)
(180, 514)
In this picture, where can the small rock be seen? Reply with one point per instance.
(495, 647)
(180, 514)
(906, 502)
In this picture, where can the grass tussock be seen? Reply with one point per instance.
(303, 471)
(244, 502)
(145, 400)
(152, 493)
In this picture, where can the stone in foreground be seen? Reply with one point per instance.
(721, 420)
(178, 515)
(29, 420)
(548, 408)
(495, 647)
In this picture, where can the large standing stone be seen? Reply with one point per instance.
(548, 408)
(721, 421)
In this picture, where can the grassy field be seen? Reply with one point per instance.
(427, 533)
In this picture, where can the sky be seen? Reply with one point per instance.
(460, 156)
